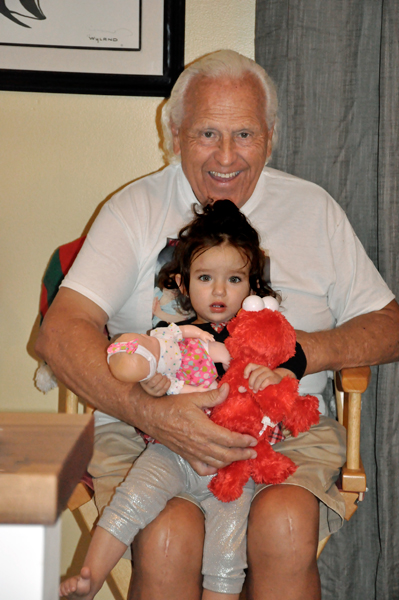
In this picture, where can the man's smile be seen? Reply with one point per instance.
(215, 174)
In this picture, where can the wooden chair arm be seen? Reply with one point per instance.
(350, 384)
(355, 380)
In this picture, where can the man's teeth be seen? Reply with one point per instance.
(224, 175)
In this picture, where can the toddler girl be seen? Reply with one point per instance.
(217, 263)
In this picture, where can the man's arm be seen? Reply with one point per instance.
(370, 339)
(71, 341)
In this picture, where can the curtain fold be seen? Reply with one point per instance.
(336, 66)
(387, 430)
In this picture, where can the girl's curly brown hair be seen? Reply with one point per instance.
(217, 224)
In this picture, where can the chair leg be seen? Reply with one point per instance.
(321, 546)
(120, 578)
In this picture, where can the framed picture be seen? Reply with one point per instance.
(123, 47)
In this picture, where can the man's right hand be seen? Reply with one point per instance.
(179, 422)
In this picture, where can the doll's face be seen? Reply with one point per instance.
(219, 282)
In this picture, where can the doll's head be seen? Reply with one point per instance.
(217, 225)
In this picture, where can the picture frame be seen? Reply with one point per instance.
(82, 61)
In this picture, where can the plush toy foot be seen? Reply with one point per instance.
(270, 466)
(228, 483)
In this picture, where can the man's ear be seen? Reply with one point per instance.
(269, 142)
(176, 139)
(180, 284)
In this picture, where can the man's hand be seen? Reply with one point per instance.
(180, 423)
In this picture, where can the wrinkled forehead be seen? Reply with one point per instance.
(202, 91)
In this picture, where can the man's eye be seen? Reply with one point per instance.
(205, 278)
(208, 134)
(235, 279)
(244, 135)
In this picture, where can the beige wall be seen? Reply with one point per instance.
(61, 156)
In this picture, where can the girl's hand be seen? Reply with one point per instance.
(259, 376)
(156, 386)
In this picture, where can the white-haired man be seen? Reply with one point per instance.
(220, 124)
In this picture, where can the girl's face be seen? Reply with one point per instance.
(219, 282)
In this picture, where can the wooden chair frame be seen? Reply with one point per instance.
(82, 505)
(350, 384)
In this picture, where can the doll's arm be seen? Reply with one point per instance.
(219, 353)
(191, 331)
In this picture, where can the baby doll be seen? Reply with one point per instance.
(185, 354)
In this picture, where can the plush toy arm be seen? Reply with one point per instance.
(304, 414)
(276, 401)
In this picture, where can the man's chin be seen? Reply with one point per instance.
(212, 200)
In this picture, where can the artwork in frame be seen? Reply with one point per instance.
(123, 47)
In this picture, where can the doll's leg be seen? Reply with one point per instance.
(131, 362)
(225, 556)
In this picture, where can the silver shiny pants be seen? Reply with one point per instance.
(159, 475)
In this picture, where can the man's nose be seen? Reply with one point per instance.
(226, 151)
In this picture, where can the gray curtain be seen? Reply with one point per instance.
(336, 65)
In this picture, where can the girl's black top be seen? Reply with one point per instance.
(296, 364)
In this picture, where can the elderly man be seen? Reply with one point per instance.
(220, 124)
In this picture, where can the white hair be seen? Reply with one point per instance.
(220, 64)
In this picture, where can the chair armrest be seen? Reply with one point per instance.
(351, 383)
(355, 379)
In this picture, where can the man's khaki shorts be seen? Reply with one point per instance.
(319, 454)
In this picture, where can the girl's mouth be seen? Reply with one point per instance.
(218, 307)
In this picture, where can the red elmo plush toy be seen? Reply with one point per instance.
(262, 336)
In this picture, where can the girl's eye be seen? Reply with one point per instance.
(205, 277)
(235, 279)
